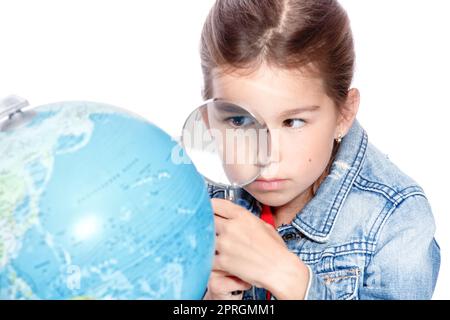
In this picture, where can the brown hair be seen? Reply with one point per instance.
(290, 34)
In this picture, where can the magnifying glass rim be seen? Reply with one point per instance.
(205, 104)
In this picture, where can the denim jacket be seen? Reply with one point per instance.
(368, 233)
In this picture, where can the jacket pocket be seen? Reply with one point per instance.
(343, 283)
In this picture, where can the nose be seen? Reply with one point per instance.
(269, 147)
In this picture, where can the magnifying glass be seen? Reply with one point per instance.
(226, 143)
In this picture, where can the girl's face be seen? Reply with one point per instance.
(303, 122)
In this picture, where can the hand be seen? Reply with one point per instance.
(246, 246)
(221, 284)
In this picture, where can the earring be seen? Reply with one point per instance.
(339, 138)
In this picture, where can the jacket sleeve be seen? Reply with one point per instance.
(407, 258)
(406, 261)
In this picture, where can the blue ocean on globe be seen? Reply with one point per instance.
(93, 207)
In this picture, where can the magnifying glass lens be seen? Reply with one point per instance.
(224, 141)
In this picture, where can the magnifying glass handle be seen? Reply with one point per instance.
(230, 194)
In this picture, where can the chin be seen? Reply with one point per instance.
(273, 199)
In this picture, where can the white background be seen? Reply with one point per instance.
(143, 56)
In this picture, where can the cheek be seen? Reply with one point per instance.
(311, 157)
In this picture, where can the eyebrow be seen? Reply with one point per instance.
(228, 108)
(295, 111)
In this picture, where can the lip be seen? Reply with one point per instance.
(269, 184)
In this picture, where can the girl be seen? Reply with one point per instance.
(331, 217)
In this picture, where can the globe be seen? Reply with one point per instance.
(93, 207)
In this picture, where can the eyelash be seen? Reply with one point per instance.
(289, 120)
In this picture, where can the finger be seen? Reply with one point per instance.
(226, 209)
(223, 295)
(237, 284)
(217, 273)
(224, 284)
(219, 224)
(226, 274)
(217, 262)
(222, 258)
(237, 279)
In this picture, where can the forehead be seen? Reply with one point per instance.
(267, 87)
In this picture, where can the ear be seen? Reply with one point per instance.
(348, 112)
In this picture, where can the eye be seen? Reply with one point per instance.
(294, 123)
(239, 121)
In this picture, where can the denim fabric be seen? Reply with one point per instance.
(367, 234)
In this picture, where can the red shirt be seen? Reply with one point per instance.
(267, 216)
